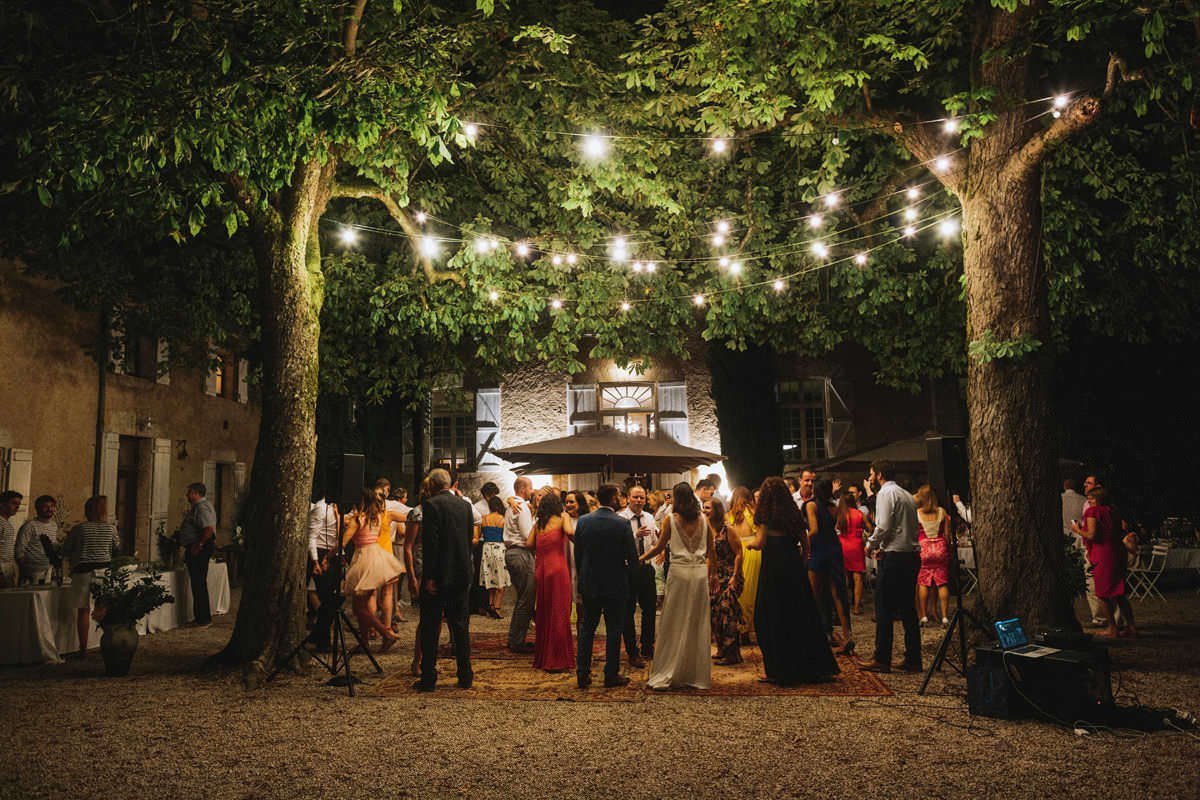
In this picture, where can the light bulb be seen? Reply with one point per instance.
(718, 146)
(819, 249)
(421, 218)
(723, 226)
(620, 249)
(470, 130)
(913, 193)
(948, 227)
(951, 126)
(556, 260)
(651, 266)
(429, 247)
(698, 299)
(723, 262)
(625, 306)
(735, 268)
(941, 163)
(815, 221)
(861, 259)
(484, 244)
(493, 295)
(1061, 101)
(522, 250)
(778, 285)
(832, 200)
(572, 258)
(836, 139)
(1056, 113)
(910, 214)
(556, 304)
(718, 239)
(909, 231)
(595, 146)
(349, 236)
(637, 266)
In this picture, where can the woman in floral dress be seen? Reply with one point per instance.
(725, 586)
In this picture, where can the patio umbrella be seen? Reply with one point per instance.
(605, 450)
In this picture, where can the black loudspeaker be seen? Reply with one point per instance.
(354, 467)
(1067, 685)
(948, 474)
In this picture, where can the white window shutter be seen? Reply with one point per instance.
(108, 470)
(487, 427)
(581, 408)
(164, 362)
(672, 411)
(243, 386)
(839, 419)
(239, 481)
(210, 379)
(210, 476)
(20, 479)
(160, 485)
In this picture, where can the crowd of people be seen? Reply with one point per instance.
(680, 578)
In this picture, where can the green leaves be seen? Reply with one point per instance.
(988, 348)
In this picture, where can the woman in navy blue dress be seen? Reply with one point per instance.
(826, 571)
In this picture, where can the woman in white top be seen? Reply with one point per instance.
(682, 656)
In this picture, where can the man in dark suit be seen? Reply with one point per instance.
(446, 532)
(604, 554)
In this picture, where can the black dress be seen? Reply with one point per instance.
(789, 629)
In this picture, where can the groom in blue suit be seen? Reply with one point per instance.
(604, 553)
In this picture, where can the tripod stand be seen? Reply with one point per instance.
(338, 664)
(958, 622)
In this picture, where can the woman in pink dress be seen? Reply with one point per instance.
(1106, 553)
(553, 647)
(372, 567)
(935, 553)
(850, 522)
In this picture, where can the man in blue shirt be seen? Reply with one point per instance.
(198, 537)
(897, 556)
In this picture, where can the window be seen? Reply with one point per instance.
(141, 356)
(453, 439)
(225, 376)
(629, 408)
(802, 419)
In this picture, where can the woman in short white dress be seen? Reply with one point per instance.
(493, 574)
(372, 567)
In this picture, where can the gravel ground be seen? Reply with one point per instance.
(174, 729)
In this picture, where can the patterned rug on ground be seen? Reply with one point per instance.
(503, 675)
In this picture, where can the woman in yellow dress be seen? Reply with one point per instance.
(740, 520)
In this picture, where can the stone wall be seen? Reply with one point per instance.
(48, 406)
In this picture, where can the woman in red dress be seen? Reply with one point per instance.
(553, 648)
(1106, 553)
(850, 522)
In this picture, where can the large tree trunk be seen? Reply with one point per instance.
(1017, 529)
(743, 386)
(270, 620)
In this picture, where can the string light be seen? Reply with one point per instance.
(572, 258)
(951, 126)
(860, 259)
(556, 260)
(595, 146)
(778, 285)
(948, 227)
(651, 266)
(910, 214)
(941, 164)
(735, 268)
(470, 130)
(832, 200)
(493, 295)
(698, 299)
(625, 306)
(909, 231)
(349, 236)
(620, 249)
(429, 247)
(421, 218)
(556, 304)
(913, 193)
(1061, 101)
(815, 221)
(637, 266)
(718, 146)
(523, 250)
(819, 250)
(722, 226)
(723, 262)
(718, 239)
(485, 245)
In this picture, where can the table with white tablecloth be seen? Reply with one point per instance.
(38, 623)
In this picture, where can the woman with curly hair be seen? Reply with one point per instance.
(788, 627)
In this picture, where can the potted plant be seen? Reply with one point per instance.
(120, 603)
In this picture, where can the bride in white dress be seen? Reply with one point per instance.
(682, 656)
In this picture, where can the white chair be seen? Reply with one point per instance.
(1142, 579)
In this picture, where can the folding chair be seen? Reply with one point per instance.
(1143, 578)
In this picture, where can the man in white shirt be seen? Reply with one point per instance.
(324, 527)
(642, 591)
(805, 492)
(10, 504)
(518, 523)
(1072, 505)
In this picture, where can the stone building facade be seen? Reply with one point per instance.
(161, 430)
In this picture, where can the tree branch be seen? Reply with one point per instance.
(1081, 113)
(350, 30)
(920, 141)
(367, 190)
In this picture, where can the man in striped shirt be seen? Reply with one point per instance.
(10, 503)
(31, 552)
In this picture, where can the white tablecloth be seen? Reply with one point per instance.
(1183, 558)
(37, 623)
